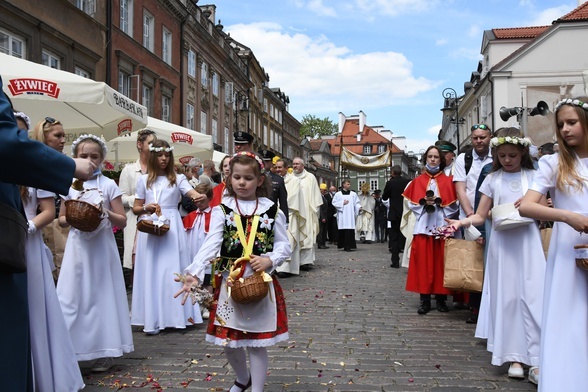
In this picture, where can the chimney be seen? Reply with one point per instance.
(342, 119)
(362, 118)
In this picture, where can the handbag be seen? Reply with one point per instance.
(464, 265)
(506, 216)
(13, 237)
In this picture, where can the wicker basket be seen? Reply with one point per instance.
(82, 215)
(147, 226)
(250, 289)
(581, 259)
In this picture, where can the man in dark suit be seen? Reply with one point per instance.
(30, 163)
(321, 238)
(393, 192)
(279, 194)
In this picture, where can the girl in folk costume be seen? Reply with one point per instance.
(55, 367)
(157, 258)
(247, 225)
(512, 297)
(219, 190)
(564, 352)
(431, 197)
(91, 286)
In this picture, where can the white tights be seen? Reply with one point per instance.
(258, 362)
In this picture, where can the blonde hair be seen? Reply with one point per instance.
(42, 128)
(567, 175)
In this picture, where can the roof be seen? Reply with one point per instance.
(580, 13)
(348, 137)
(519, 32)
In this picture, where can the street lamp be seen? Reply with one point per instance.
(241, 102)
(451, 104)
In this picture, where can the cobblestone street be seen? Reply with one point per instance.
(353, 327)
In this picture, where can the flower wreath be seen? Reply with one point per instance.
(251, 155)
(569, 101)
(160, 149)
(523, 141)
(86, 137)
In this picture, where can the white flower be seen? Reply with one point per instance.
(266, 222)
(230, 220)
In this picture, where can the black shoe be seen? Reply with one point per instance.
(282, 275)
(395, 265)
(425, 307)
(323, 247)
(473, 319)
(442, 306)
(305, 267)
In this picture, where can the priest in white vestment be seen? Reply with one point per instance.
(365, 228)
(297, 222)
(348, 207)
(312, 201)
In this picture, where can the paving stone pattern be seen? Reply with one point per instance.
(353, 327)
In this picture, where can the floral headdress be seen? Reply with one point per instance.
(160, 149)
(523, 141)
(24, 118)
(569, 101)
(251, 155)
(86, 137)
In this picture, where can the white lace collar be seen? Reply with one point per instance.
(248, 206)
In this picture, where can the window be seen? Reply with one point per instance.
(190, 116)
(192, 63)
(50, 60)
(271, 110)
(82, 72)
(203, 123)
(166, 51)
(214, 132)
(88, 6)
(124, 83)
(265, 105)
(165, 108)
(147, 95)
(367, 149)
(126, 16)
(12, 45)
(204, 75)
(381, 148)
(373, 185)
(226, 141)
(148, 30)
(229, 92)
(360, 183)
(215, 84)
(265, 136)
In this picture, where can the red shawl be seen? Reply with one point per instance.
(418, 187)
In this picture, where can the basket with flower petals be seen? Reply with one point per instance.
(581, 256)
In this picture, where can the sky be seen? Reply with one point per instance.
(390, 59)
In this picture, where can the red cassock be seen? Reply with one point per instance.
(426, 267)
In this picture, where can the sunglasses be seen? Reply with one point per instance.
(49, 120)
(480, 126)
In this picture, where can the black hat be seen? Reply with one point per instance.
(445, 146)
(266, 155)
(377, 192)
(241, 137)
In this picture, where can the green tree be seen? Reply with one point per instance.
(315, 127)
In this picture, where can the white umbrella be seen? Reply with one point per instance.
(187, 144)
(82, 105)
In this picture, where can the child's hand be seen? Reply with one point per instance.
(453, 224)
(259, 263)
(578, 221)
(517, 203)
(189, 283)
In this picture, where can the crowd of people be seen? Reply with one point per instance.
(254, 220)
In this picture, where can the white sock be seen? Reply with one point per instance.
(259, 362)
(238, 360)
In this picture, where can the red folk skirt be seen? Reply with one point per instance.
(426, 267)
(226, 333)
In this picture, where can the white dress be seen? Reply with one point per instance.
(157, 258)
(91, 287)
(55, 367)
(564, 336)
(512, 297)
